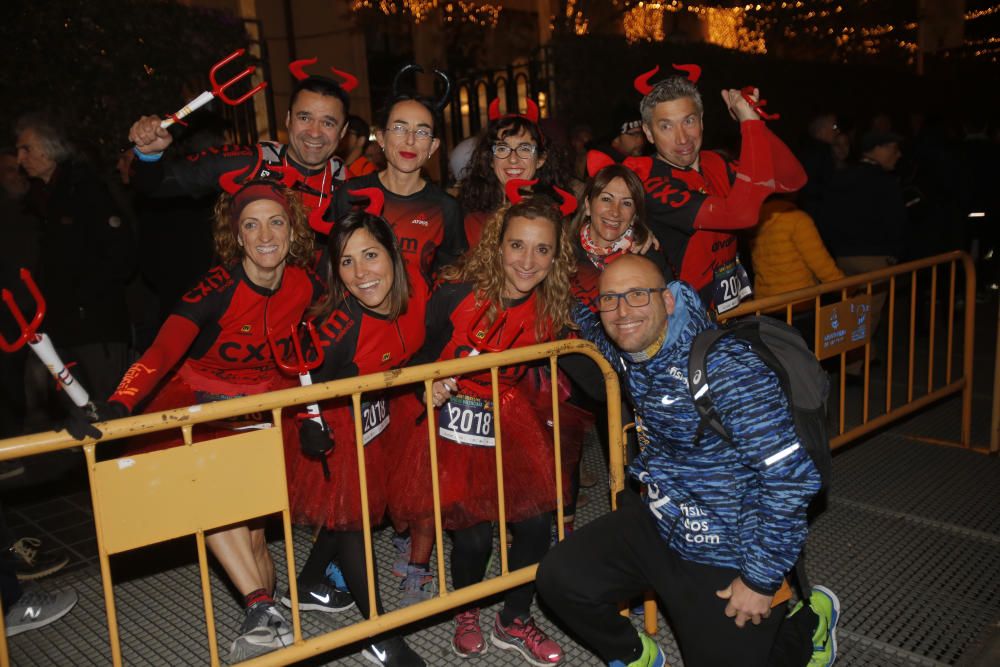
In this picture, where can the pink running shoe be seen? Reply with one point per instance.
(527, 639)
(468, 640)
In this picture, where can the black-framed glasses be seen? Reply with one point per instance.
(637, 298)
(524, 151)
(401, 130)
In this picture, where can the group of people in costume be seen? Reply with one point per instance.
(389, 272)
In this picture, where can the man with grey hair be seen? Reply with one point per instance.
(86, 255)
(696, 199)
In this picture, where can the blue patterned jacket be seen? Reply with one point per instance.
(739, 504)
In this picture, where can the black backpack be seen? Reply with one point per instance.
(783, 350)
(806, 385)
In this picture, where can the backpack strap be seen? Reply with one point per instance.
(698, 382)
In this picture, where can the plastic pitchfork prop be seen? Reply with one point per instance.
(757, 105)
(218, 90)
(40, 343)
(302, 367)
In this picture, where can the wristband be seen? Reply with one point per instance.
(147, 157)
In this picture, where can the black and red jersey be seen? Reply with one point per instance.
(203, 173)
(694, 212)
(427, 223)
(221, 327)
(457, 327)
(357, 341)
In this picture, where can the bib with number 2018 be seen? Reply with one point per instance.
(374, 418)
(467, 420)
(730, 285)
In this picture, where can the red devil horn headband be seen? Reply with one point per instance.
(596, 160)
(531, 114)
(513, 188)
(642, 84)
(298, 70)
(375, 197)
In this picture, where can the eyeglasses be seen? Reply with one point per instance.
(401, 130)
(637, 298)
(524, 151)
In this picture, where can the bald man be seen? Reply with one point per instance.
(721, 522)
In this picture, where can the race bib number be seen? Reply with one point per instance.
(374, 418)
(468, 421)
(730, 285)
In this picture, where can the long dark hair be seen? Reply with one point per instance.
(481, 190)
(381, 231)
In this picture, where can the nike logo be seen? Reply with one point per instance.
(380, 654)
(325, 599)
(666, 400)
(31, 612)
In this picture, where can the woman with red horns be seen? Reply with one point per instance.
(371, 321)
(511, 290)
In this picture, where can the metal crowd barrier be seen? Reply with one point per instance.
(915, 275)
(193, 489)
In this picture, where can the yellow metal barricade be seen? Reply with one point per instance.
(195, 488)
(891, 279)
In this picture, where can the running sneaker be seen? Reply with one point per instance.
(417, 586)
(320, 597)
(826, 604)
(336, 576)
(402, 545)
(392, 652)
(527, 639)
(32, 562)
(652, 655)
(468, 640)
(264, 629)
(36, 609)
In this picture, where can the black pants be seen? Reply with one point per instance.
(471, 553)
(10, 589)
(621, 555)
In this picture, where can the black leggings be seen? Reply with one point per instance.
(347, 548)
(471, 552)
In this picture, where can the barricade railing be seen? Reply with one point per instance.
(868, 289)
(190, 489)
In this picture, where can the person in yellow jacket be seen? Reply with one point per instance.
(787, 251)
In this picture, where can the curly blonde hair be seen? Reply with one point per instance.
(226, 237)
(483, 266)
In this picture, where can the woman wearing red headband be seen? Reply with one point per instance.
(219, 330)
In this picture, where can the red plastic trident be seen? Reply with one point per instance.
(218, 90)
(40, 344)
(29, 332)
(483, 339)
(301, 365)
(758, 105)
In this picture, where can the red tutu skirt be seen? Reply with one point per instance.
(186, 388)
(336, 502)
(467, 470)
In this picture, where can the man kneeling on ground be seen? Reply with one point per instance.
(721, 523)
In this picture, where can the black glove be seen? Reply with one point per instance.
(316, 441)
(78, 423)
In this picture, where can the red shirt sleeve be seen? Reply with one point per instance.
(172, 342)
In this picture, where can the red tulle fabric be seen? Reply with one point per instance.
(335, 503)
(183, 390)
(467, 474)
